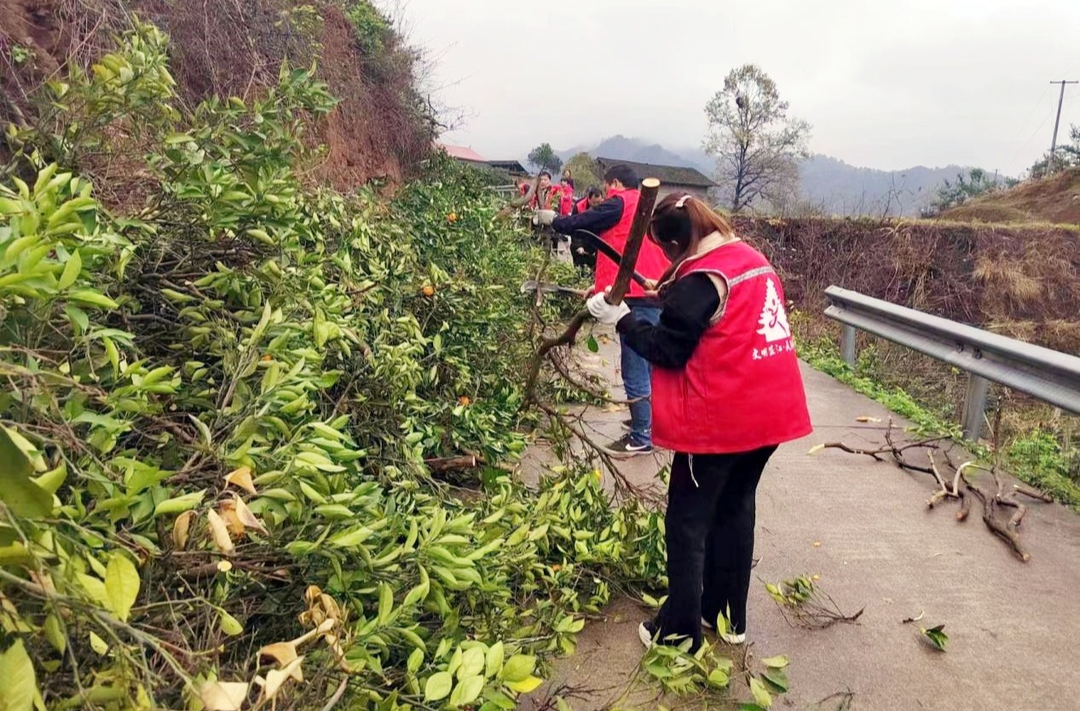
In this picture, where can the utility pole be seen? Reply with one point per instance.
(1057, 122)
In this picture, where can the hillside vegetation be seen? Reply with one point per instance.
(228, 388)
(1017, 280)
(1053, 200)
(380, 127)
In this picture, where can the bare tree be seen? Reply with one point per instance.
(756, 144)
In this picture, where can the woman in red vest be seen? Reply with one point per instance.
(726, 391)
(566, 197)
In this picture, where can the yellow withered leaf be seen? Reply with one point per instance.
(816, 448)
(867, 418)
(330, 607)
(281, 652)
(227, 511)
(181, 529)
(241, 477)
(220, 532)
(276, 678)
(223, 695)
(243, 513)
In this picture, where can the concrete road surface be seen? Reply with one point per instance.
(864, 528)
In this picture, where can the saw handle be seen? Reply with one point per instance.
(608, 251)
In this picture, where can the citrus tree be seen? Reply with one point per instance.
(222, 408)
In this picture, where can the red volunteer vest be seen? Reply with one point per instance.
(651, 262)
(566, 202)
(582, 205)
(741, 389)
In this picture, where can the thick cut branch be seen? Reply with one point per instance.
(1001, 530)
(649, 188)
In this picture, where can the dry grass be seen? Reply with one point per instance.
(1008, 275)
(1051, 200)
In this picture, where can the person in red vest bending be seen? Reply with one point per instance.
(593, 197)
(726, 392)
(611, 220)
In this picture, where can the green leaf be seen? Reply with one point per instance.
(592, 345)
(472, 663)
(776, 662)
(71, 271)
(777, 679)
(416, 658)
(229, 624)
(438, 686)
(17, 490)
(95, 588)
(260, 327)
(526, 685)
(518, 668)
(718, 679)
(121, 585)
(180, 504)
(494, 660)
(55, 634)
(204, 430)
(937, 637)
(386, 602)
(77, 316)
(19, 685)
(98, 644)
(467, 691)
(760, 693)
(92, 298)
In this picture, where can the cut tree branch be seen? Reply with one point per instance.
(649, 189)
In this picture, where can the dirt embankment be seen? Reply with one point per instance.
(379, 130)
(1021, 281)
(1051, 200)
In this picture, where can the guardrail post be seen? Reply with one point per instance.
(847, 344)
(975, 406)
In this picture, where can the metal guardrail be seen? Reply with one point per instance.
(1044, 374)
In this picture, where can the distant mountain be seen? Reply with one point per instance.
(633, 149)
(841, 189)
(826, 184)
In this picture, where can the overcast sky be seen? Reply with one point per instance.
(885, 83)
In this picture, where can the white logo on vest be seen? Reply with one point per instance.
(774, 323)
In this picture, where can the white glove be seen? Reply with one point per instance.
(544, 217)
(604, 312)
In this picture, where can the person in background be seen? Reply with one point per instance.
(611, 220)
(568, 178)
(544, 199)
(566, 197)
(593, 197)
(726, 392)
(583, 252)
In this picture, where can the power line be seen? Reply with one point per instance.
(1057, 122)
(1027, 123)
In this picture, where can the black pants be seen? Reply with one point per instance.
(710, 540)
